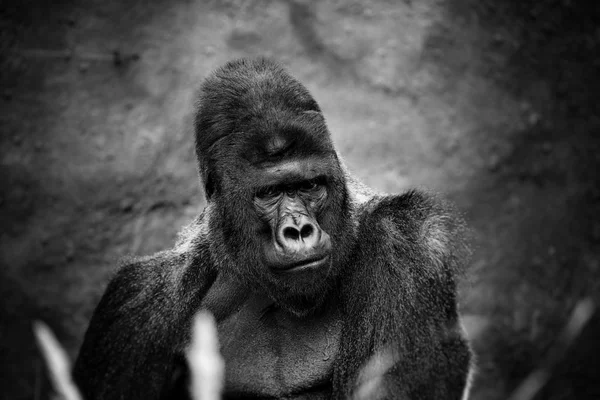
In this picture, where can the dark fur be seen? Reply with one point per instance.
(393, 275)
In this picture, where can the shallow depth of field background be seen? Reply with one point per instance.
(496, 104)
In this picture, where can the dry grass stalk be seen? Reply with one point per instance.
(580, 316)
(57, 361)
(206, 364)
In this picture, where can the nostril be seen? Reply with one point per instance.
(306, 231)
(291, 233)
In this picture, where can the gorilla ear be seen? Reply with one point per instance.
(311, 112)
(314, 106)
(209, 184)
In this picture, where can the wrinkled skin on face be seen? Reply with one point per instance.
(297, 242)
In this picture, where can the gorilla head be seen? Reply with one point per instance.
(277, 195)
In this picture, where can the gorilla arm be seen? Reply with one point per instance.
(140, 325)
(402, 338)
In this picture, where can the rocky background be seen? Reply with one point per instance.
(494, 103)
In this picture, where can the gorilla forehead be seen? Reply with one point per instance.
(285, 136)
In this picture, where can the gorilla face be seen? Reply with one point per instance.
(294, 211)
(289, 206)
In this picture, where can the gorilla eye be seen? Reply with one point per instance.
(310, 185)
(267, 192)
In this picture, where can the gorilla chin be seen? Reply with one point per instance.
(311, 264)
(303, 287)
(317, 258)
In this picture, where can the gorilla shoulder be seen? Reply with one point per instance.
(420, 217)
(149, 302)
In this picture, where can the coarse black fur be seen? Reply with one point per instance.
(378, 321)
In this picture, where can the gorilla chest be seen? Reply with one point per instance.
(269, 352)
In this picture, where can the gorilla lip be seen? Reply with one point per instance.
(303, 265)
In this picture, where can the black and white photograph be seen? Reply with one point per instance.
(300, 200)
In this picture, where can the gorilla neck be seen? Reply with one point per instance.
(302, 307)
(231, 291)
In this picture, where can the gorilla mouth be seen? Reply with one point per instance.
(303, 265)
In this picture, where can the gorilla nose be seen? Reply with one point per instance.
(298, 234)
(292, 232)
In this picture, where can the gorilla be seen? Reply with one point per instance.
(320, 287)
